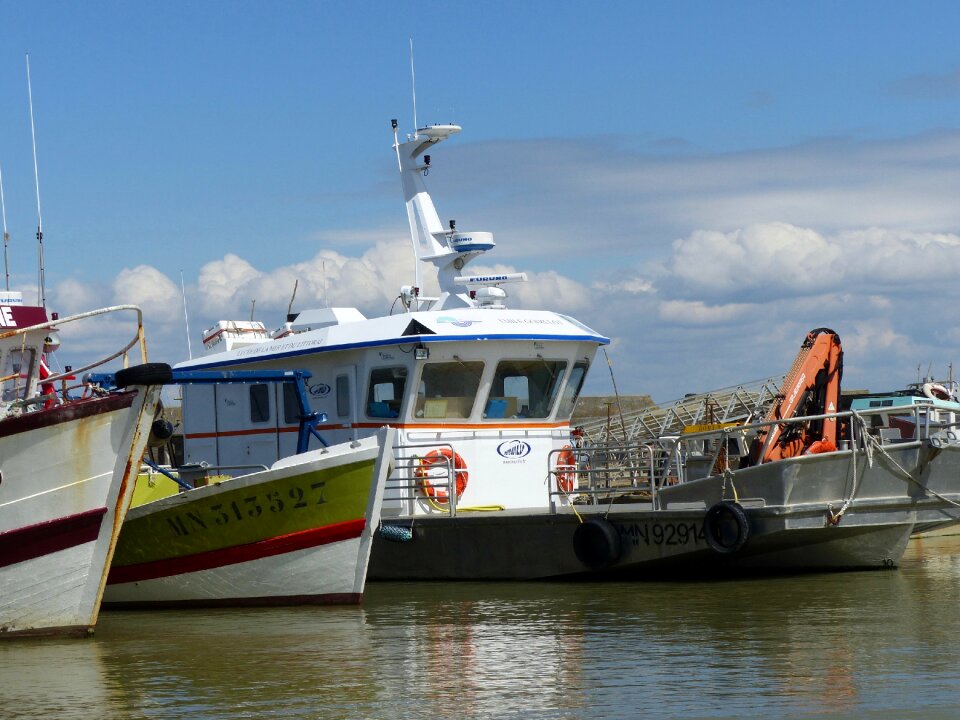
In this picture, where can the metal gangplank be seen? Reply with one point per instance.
(744, 403)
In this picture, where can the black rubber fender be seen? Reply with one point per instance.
(160, 431)
(726, 527)
(596, 543)
(145, 374)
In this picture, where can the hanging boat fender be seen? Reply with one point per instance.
(935, 391)
(726, 527)
(596, 543)
(439, 460)
(566, 469)
(396, 533)
(145, 374)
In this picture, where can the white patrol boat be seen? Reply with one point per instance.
(481, 395)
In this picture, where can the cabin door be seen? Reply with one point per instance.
(288, 419)
(199, 424)
(246, 426)
(344, 418)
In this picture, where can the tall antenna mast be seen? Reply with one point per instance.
(36, 176)
(186, 319)
(413, 85)
(6, 235)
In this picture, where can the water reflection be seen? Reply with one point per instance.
(854, 644)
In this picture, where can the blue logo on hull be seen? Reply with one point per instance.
(513, 449)
(319, 389)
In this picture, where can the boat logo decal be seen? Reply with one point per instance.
(513, 449)
(385, 356)
(456, 323)
(319, 389)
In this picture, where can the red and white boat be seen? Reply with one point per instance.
(67, 470)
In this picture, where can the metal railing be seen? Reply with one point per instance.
(739, 403)
(640, 471)
(424, 473)
(24, 402)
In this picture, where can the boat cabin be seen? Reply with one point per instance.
(20, 353)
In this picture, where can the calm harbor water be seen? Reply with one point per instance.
(878, 644)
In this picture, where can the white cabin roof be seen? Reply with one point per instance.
(461, 324)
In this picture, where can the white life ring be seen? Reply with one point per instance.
(935, 391)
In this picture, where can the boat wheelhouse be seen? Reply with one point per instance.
(480, 394)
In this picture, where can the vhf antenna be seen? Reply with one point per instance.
(413, 85)
(6, 235)
(36, 176)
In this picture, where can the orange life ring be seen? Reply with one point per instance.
(566, 469)
(439, 460)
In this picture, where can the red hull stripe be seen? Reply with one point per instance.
(238, 553)
(48, 537)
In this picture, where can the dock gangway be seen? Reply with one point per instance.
(744, 403)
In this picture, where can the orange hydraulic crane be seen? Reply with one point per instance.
(812, 387)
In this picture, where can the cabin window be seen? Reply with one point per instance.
(291, 404)
(17, 372)
(343, 396)
(448, 389)
(259, 403)
(572, 390)
(386, 391)
(525, 388)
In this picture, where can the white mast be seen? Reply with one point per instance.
(413, 87)
(186, 318)
(6, 235)
(36, 175)
(449, 250)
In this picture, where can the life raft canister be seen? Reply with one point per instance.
(566, 469)
(434, 464)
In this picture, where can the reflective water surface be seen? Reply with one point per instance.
(880, 644)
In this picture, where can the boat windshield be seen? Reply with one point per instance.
(524, 388)
(17, 371)
(447, 389)
(386, 391)
(571, 390)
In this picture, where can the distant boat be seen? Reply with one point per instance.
(926, 408)
(67, 470)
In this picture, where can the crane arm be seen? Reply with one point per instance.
(812, 387)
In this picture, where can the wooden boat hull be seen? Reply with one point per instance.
(66, 478)
(298, 533)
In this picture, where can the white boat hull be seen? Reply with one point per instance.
(67, 478)
(298, 533)
(327, 574)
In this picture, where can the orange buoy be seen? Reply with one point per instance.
(438, 461)
(566, 469)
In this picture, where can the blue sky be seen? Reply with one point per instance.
(702, 182)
